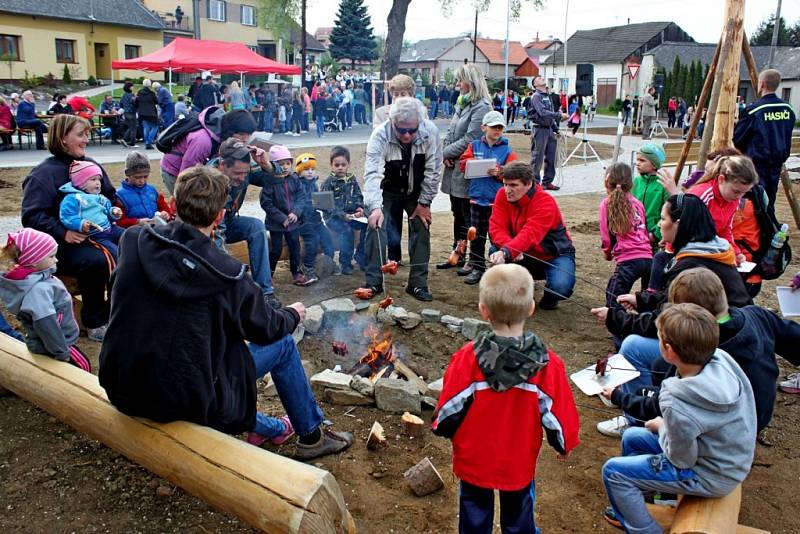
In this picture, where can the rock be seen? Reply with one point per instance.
(435, 388)
(338, 311)
(330, 379)
(164, 491)
(450, 320)
(397, 396)
(299, 333)
(411, 320)
(470, 328)
(314, 317)
(429, 403)
(391, 315)
(324, 266)
(454, 328)
(362, 385)
(431, 316)
(270, 390)
(308, 367)
(362, 305)
(346, 397)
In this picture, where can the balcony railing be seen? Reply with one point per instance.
(171, 22)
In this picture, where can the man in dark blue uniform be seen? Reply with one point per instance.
(543, 134)
(764, 132)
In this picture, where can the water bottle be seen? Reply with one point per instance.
(771, 257)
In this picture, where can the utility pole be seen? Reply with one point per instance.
(303, 43)
(566, 37)
(775, 32)
(475, 38)
(505, 82)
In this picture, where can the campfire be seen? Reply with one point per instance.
(379, 358)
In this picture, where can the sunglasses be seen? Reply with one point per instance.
(403, 131)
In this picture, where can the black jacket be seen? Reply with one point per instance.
(310, 215)
(205, 96)
(764, 132)
(279, 198)
(175, 346)
(146, 104)
(347, 196)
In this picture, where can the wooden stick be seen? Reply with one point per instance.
(751, 65)
(423, 478)
(716, 89)
(267, 491)
(403, 369)
(732, 52)
(794, 202)
(696, 117)
(376, 436)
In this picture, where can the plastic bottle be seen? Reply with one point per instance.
(768, 263)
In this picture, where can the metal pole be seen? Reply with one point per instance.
(618, 141)
(475, 38)
(170, 81)
(775, 31)
(505, 81)
(303, 45)
(566, 14)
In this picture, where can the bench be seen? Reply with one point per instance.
(71, 284)
(29, 134)
(672, 151)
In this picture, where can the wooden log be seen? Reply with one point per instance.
(376, 437)
(794, 202)
(266, 491)
(713, 100)
(412, 425)
(664, 515)
(708, 515)
(423, 478)
(726, 106)
(403, 369)
(751, 65)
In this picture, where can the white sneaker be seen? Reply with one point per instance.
(96, 334)
(613, 428)
(791, 385)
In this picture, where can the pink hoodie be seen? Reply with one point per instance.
(635, 244)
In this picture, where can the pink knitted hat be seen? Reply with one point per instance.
(81, 171)
(33, 245)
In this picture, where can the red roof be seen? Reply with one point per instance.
(529, 67)
(192, 55)
(494, 50)
(540, 44)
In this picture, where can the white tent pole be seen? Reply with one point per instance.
(505, 83)
(170, 81)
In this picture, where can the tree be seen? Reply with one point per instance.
(680, 82)
(352, 36)
(67, 75)
(279, 17)
(763, 34)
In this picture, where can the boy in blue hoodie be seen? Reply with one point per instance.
(492, 145)
(703, 444)
(314, 233)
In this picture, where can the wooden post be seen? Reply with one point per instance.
(751, 65)
(265, 490)
(423, 478)
(794, 202)
(716, 89)
(732, 52)
(696, 117)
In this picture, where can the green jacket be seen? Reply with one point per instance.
(652, 195)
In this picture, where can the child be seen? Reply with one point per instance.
(141, 203)
(623, 233)
(85, 210)
(348, 205)
(704, 443)
(283, 201)
(712, 157)
(313, 232)
(492, 145)
(38, 299)
(501, 393)
(574, 120)
(650, 187)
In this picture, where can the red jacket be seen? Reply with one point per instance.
(722, 211)
(6, 119)
(161, 202)
(497, 435)
(533, 225)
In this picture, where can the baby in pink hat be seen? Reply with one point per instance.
(38, 299)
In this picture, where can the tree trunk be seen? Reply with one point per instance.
(396, 21)
(726, 107)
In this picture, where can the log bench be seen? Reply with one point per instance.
(267, 491)
(701, 515)
(71, 284)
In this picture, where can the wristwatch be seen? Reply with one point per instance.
(424, 204)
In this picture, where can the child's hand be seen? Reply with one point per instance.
(498, 258)
(740, 259)
(654, 424)
(286, 223)
(600, 314)
(292, 218)
(359, 212)
(494, 171)
(627, 301)
(607, 391)
(86, 227)
(163, 214)
(795, 283)
(668, 182)
(143, 222)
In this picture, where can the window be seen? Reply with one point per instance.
(786, 94)
(248, 15)
(216, 10)
(132, 51)
(9, 47)
(65, 51)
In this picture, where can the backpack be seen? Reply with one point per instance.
(177, 131)
(768, 225)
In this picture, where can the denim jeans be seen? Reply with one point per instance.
(641, 352)
(287, 124)
(559, 278)
(252, 230)
(304, 121)
(434, 109)
(361, 113)
(315, 235)
(320, 125)
(349, 115)
(169, 181)
(476, 510)
(626, 273)
(267, 121)
(345, 234)
(150, 130)
(644, 467)
(8, 330)
(282, 360)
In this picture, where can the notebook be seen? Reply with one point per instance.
(322, 200)
(478, 168)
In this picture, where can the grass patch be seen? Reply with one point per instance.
(96, 100)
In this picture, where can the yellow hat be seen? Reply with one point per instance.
(304, 162)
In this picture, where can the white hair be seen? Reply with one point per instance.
(146, 82)
(156, 85)
(407, 109)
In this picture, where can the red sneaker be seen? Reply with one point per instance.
(281, 438)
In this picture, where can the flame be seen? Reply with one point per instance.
(380, 351)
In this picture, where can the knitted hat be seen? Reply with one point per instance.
(279, 153)
(653, 153)
(304, 162)
(136, 162)
(33, 245)
(81, 171)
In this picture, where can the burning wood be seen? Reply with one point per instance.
(339, 348)
(389, 268)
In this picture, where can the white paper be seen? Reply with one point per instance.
(618, 371)
(478, 168)
(789, 301)
(746, 267)
(360, 219)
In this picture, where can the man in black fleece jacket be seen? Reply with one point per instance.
(175, 347)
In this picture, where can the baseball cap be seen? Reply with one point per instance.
(494, 118)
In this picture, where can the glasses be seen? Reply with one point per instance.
(403, 131)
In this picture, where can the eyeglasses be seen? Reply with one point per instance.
(403, 131)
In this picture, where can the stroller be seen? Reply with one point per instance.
(332, 119)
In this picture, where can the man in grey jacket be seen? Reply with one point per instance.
(543, 136)
(403, 166)
(648, 112)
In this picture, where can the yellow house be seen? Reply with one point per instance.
(42, 36)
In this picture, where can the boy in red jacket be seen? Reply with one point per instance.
(501, 393)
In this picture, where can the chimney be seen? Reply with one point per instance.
(537, 37)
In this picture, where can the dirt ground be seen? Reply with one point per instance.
(55, 480)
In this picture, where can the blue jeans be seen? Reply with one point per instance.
(167, 114)
(626, 273)
(641, 352)
(349, 115)
(345, 234)
(282, 360)
(434, 109)
(320, 125)
(315, 235)
(644, 467)
(476, 510)
(267, 121)
(559, 278)
(150, 128)
(7, 329)
(252, 230)
(287, 124)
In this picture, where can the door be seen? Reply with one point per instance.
(606, 91)
(102, 61)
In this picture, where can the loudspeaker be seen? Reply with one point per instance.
(584, 81)
(658, 83)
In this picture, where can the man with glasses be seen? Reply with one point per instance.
(403, 167)
(543, 134)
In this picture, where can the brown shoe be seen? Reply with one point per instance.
(329, 442)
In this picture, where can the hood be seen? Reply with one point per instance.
(12, 292)
(509, 361)
(745, 341)
(716, 388)
(717, 249)
(211, 119)
(69, 188)
(181, 262)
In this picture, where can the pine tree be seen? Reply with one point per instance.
(680, 84)
(694, 74)
(352, 36)
(673, 77)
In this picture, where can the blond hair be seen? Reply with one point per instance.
(771, 79)
(61, 125)
(702, 287)
(402, 82)
(473, 75)
(691, 331)
(619, 180)
(200, 194)
(737, 169)
(506, 291)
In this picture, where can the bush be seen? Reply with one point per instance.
(616, 106)
(31, 80)
(66, 77)
(91, 81)
(50, 80)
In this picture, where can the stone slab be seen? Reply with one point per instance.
(431, 316)
(450, 320)
(314, 317)
(470, 328)
(362, 385)
(397, 396)
(330, 379)
(346, 397)
(435, 388)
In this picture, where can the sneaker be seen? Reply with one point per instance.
(345, 269)
(465, 270)
(311, 278)
(300, 280)
(611, 517)
(447, 265)
(550, 187)
(613, 428)
(337, 269)
(791, 385)
(288, 432)
(148, 147)
(272, 301)
(329, 442)
(474, 277)
(420, 293)
(97, 334)
(124, 143)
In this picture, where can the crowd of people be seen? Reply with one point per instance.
(157, 270)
